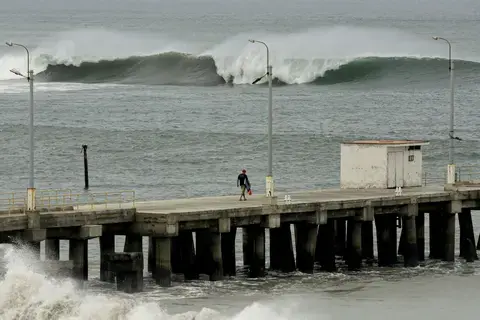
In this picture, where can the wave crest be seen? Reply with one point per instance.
(320, 56)
(184, 69)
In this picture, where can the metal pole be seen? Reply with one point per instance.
(85, 165)
(31, 181)
(451, 170)
(269, 177)
(270, 129)
(452, 108)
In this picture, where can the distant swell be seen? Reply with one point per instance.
(182, 69)
(162, 69)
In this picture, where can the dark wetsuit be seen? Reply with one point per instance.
(242, 178)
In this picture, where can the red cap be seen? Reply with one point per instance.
(243, 170)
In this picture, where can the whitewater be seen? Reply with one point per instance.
(28, 293)
(297, 58)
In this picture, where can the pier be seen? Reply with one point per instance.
(197, 236)
(328, 224)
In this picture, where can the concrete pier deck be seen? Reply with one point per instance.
(328, 224)
(148, 215)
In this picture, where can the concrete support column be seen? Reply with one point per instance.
(411, 249)
(306, 242)
(467, 236)
(163, 266)
(257, 263)
(176, 258)
(216, 269)
(281, 249)
(348, 244)
(437, 234)
(275, 249)
(187, 250)
(392, 251)
(367, 241)
(355, 254)
(247, 247)
(387, 252)
(325, 248)
(228, 252)
(52, 249)
(209, 254)
(420, 225)
(449, 248)
(133, 243)
(79, 256)
(107, 246)
(340, 236)
(151, 255)
(403, 238)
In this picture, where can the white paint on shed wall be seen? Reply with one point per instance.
(363, 166)
(369, 165)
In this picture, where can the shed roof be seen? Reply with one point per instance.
(389, 142)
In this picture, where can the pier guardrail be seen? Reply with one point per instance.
(430, 179)
(87, 200)
(13, 202)
(66, 199)
(468, 174)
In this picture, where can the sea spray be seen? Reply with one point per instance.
(26, 293)
(326, 55)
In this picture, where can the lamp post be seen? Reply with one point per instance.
(269, 177)
(451, 170)
(29, 77)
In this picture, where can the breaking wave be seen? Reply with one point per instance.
(318, 56)
(27, 293)
(182, 69)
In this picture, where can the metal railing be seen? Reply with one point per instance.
(13, 202)
(468, 174)
(433, 179)
(66, 199)
(87, 201)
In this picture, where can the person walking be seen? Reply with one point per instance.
(243, 183)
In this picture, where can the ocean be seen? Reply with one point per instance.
(161, 93)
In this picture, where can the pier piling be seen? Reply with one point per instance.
(355, 246)
(367, 242)
(340, 236)
(163, 265)
(467, 235)
(52, 249)
(228, 252)
(305, 243)
(411, 248)
(256, 234)
(420, 225)
(128, 267)
(449, 254)
(107, 246)
(79, 255)
(325, 248)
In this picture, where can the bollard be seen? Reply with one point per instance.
(85, 165)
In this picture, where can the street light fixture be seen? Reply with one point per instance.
(29, 77)
(269, 177)
(451, 170)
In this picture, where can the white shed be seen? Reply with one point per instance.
(381, 163)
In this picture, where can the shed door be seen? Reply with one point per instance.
(395, 169)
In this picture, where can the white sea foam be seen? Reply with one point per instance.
(27, 293)
(296, 57)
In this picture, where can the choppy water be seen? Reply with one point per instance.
(160, 93)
